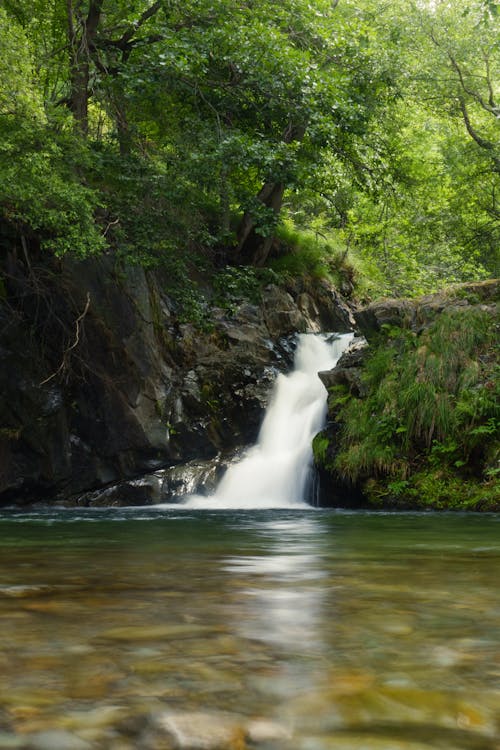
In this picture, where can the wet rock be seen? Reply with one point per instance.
(309, 310)
(193, 477)
(195, 731)
(348, 370)
(335, 314)
(142, 491)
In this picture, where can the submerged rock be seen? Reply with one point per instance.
(195, 731)
(203, 730)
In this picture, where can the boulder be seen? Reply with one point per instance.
(349, 369)
(386, 312)
(199, 477)
(417, 313)
(281, 314)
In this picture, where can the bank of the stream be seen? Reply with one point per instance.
(414, 413)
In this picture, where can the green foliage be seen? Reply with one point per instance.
(435, 489)
(19, 96)
(382, 135)
(432, 401)
(41, 193)
(301, 253)
(321, 254)
(190, 302)
(320, 449)
(234, 285)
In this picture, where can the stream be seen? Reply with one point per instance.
(335, 630)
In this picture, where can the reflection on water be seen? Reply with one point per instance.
(347, 631)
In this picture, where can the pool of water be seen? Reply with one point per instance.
(327, 630)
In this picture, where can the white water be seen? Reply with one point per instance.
(275, 472)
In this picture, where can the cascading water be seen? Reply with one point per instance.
(275, 472)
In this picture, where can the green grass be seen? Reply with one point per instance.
(432, 404)
(304, 252)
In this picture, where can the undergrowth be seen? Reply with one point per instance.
(322, 255)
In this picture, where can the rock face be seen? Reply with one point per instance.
(102, 384)
(349, 369)
(405, 313)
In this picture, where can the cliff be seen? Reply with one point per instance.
(110, 395)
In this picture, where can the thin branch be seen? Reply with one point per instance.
(110, 224)
(75, 343)
(491, 108)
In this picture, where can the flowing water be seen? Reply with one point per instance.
(276, 471)
(345, 631)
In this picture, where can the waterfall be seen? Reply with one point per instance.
(275, 472)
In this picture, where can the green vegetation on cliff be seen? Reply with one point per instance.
(426, 429)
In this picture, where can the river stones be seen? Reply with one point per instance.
(204, 730)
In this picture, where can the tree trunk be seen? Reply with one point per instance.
(79, 96)
(253, 248)
(81, 36)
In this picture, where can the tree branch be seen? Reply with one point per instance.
(64, 363)
(128, 35)
(482, 142)
(473, 94)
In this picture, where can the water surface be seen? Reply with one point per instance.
(348, 630)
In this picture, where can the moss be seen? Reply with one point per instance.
(320, 446)
(438, 489)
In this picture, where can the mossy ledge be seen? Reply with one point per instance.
(418, 425)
